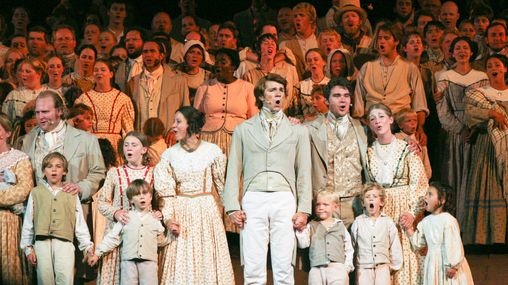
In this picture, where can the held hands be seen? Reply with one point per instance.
(157, 215)
(32, 258)
(173, 227)
(299, 221)
(122, 216)
(406, 221)
(238, 218)
(92, 260)
(450, 272)
(71, 188)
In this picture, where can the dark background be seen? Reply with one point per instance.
(141, 12)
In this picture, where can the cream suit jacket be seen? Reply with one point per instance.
(85, 163)
(174, 94)
(252, 153)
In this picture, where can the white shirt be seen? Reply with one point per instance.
(303, 239)
(366, 232)
(80, 230)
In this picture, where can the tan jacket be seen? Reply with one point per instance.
(174, 94)
(82, 151)
(252, 153)
(319, 151)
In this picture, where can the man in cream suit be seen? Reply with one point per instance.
(157, 91)
(339, 149)
(85, 163)
(273, 157)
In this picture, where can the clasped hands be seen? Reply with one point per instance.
(299, 219)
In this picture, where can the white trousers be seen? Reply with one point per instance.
(138, 272)
(269, 220)
(55, 262)
(333, 274)
(374, 276)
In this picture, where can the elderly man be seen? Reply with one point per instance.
(81, 149)
(339, 149)
(273, 157)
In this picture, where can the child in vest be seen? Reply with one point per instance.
(408, 122)
(330, 249)
(140, 237)
(52, 219)
(375, 239)
(445, 262)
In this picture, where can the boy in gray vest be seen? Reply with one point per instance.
(52, 219)
(330, 249)
(140, 237)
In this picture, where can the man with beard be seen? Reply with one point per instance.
(495, 38)
(449, 15)
(432, 7)
(305, 21)
(64, 42)
(38, 40)
(338, 151)
(134, 63)
(187, 8)
(161, 22)
(157, 91)
(285, 24)
(404, 13)
(350, 17)
(391, 80)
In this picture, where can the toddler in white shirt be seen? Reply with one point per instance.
(140, 236)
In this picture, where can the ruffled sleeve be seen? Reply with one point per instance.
(18, 193)
(165, 185)
(219, 174)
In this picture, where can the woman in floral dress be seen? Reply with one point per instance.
(14, 269)
(184, 177)
(391, 164)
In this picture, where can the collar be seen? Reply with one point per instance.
(331, 117)
(154, 74)
(268, 115)
(56, 130)
(138, 59)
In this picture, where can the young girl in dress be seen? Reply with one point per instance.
(376, 240)
(113, 202)
(445, 262)
(139, 237)
(329, 243)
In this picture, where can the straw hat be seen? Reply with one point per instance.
(347, 6)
